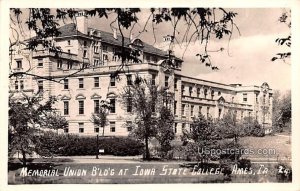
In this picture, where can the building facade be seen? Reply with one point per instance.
(81, 78)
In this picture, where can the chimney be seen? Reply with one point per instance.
(81, 22)
(115, 34)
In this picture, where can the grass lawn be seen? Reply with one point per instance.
(154, 171)
(268, 144)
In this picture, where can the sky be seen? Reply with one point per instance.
(246, 58)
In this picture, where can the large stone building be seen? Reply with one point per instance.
(81, 90)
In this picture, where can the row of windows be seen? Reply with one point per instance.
(112, 127)
(198, 92)
(81, 106)
(97, 82)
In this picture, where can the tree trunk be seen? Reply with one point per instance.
(24, 157)
(147, 157)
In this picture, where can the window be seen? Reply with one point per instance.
(264, 99)
(104, 48)
(70, 64)
(219, 93)
(16, 85)
(182, 90)
(112, 126)
(129, 79)
(175, 83)
(96, 130)
(105, 57)
(81, 85)
(19, 64)
(205, 93)
(129, 104)
(183, 126)
(40, 62)
(200, 110)
(69, 42)
(40, 86)
(256, 115)
(175, 128)
(212, 94)
(66, 130)
(153, 79)
(220, 112)
(22, 85)
(66, 84)
(81, 107)
(207, 112)
(198, 92)
(244, 97)
(96, 82)
(232, 99)
(81, 128)
(182, 110)
(190, 90)
(192, 110)
(96, 62)
(112, 80)
(96, 47)
(129, 126)
(84, 43)
(84, 53)
(96, 106)
(66, 108)
(175, 107)
(256, 98)
(69, 51)
(59, 64)
(166, 81)
(112, 105)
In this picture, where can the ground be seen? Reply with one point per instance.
(111, 169)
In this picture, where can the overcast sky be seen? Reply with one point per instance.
(246, 57)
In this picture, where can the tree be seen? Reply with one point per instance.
(229, 128)
(285, 18)
(202, 137)
(282, 111)
(145, 100)
(99, 118)
(27, 119)
(165, 132)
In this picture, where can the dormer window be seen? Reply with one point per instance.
(19, 64)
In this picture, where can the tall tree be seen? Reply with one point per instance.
(203, 138)
(27, 119)
(146, 102)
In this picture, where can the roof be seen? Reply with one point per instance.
(69, 30)
(107, 37)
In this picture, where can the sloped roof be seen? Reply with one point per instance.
(69, 30)
(106, 37)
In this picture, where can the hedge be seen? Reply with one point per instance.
(51, 143)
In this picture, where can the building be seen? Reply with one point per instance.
(84, 70)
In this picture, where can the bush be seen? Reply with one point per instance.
(252, 128)
(73, 145)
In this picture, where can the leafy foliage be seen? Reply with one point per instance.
(53, 144)
(282, 111)
(285, 18)
(26, 119)
(145, 99)
(165, 132)
(202, 136)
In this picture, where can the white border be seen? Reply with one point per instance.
(293, 4)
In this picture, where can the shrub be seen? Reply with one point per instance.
(73, 145)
